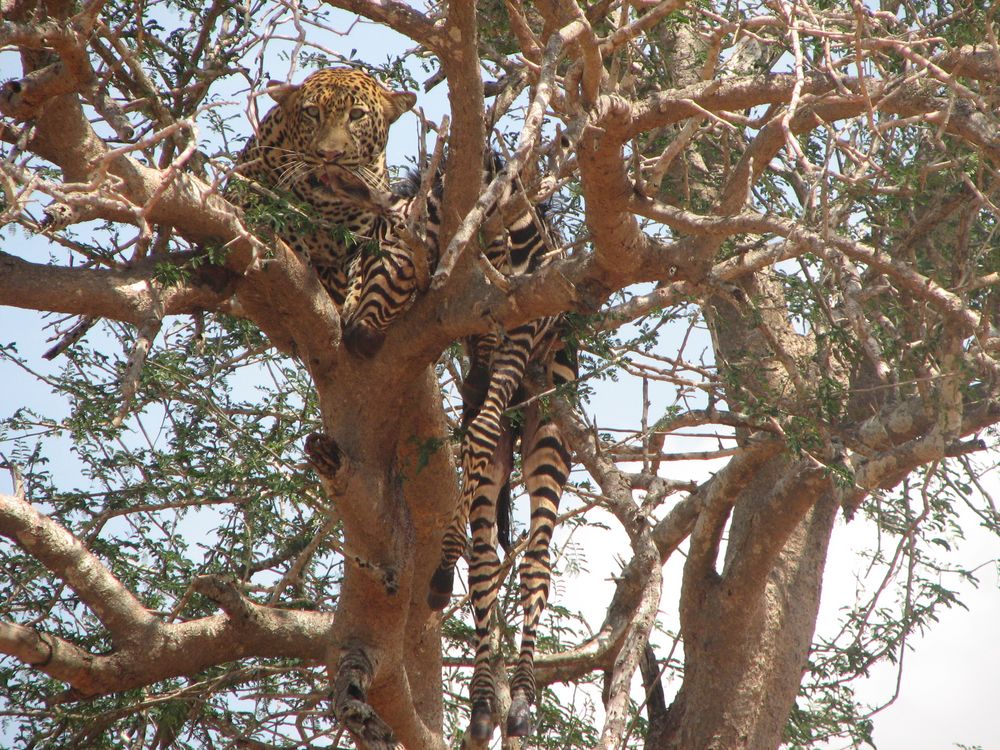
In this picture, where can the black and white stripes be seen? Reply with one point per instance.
(493, 384)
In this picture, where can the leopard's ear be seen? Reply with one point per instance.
(398, 102)
(279, 90)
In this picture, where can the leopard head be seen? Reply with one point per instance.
(332, 127)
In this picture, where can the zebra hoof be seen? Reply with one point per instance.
(519, 718)
(440, 590)
(362, 340)
(481, 723)
(324, 454)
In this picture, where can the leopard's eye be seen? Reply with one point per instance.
(357, 113)
(312, 111)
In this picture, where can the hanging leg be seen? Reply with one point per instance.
(546, 463)
(474, 389)
(484, 583)
(482, 435)
(486, 464)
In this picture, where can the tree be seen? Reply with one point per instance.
(779, 227)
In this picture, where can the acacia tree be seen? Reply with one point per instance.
(778, 222)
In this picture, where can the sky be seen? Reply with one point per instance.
(949, 688)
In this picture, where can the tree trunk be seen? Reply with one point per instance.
(747, 629)
(745, 651)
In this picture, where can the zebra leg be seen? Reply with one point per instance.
(484, 583)
(388, 279)
(482, 436)
(546, 463)
(454, 542)
(452, 546)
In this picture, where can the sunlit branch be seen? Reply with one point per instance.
(400, 16)
(65, 556)
(901, 273)
(634, 643)
(579, 35)
(502, 181)
(189, 647)
(803, 483)
(644, 22)
(118, 295)
(716, 499)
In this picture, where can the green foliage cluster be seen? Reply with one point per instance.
(205, 476)
(267, 211)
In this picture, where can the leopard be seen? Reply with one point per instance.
(321, 151)
(323, 146)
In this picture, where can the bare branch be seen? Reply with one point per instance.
(399, 16)
(65, 556)
(502, 181)
(146, 650)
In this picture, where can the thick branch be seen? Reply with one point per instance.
(720, 96)
(128, 295)
(398, 16)
(464, 169)
(146, 650)
(618, 241)
(971, 61)
(718, 496)
(63, 554)
(751, 556)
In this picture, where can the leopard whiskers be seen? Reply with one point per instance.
(282, 150)
(369, 177)
(290, 173)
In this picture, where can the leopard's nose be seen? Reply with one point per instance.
(329, 155)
